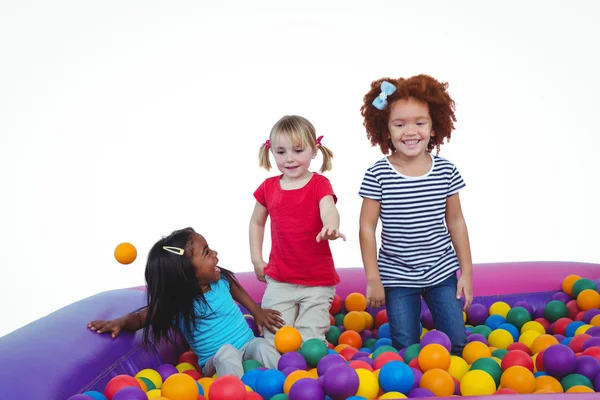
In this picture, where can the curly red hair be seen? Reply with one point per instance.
(420, 87)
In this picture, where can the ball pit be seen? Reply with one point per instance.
(533, 329)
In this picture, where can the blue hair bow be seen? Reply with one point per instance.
(387, 89)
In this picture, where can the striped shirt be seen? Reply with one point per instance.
(416, 248)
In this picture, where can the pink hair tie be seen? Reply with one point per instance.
(319, 140)
(268, 144)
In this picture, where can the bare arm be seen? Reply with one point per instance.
(257, 233)
(457, 227)
(331, 220)
(369, 215)
(130, 322)
(271, 319)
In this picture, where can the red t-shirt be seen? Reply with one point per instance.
(296, 257)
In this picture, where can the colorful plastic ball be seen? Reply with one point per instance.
(525, 305)
(582, 284)
(166, 370)
(227, 387)
(575, 380)
(336, 305)
(489, 366)
(499, 308)
(180, 386)
(125, 253)
(458, 367)
(392, 395)
(386, 349)
(386, 357)
(518, 378)
(475, 350)
(355, 302)
(477, 337)
(291, 359)
(306, 389)
(396, 376)
(433, 355)
(293, 377)
(588, 299)
(517, 357)
(510, 328)
(559, 360)
(355, 321)
(340, 381)
(587, 366)
(384, 331)
(94, 395)
(568, 282)
(482, 330)
(333, 335)
(132, 393)
(287, 339)
(329, 361)
(542, 342)
(351, 338)
(440, 382)
(119, 382)
(477, 383)
(518, 316)
(419, 393)
(477, 314)
(82, 397)
(438, 337)
(554, 310)
(500, 339)
(410, 352)
(269, 383)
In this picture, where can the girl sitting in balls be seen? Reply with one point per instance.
(188, 293)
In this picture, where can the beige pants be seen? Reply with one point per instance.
(229, 360)
(306, 308)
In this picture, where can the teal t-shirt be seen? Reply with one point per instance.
(221, 323)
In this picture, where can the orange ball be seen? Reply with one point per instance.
(287, 339)
(588, 299)
(180, 386)
(542, 342)
(549, 383)
(293, 377)
(475, 350)
(432, 356)
(579, 389)
(368, 319)
(355, 302)
(355, 321)
(440, 382)
(518, 378)
(568, 282)
(125, 253)
(595, 320)
(351, 338)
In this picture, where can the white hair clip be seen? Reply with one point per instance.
(174, 250)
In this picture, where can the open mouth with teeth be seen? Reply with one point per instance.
(411, 142)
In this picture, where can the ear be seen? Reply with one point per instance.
(432, 134)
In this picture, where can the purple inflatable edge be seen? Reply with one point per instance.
(56, 356)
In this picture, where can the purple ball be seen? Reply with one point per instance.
(341, 328)
(588, 366)
(525, 305)
(477, 314)
(420, 392)
(417, 375)
(597, 383)
(306, 389)
(288, 370)
(329, 361)
(166, 370)
(360, 354)
(401, 352)
(366, 335)
(594, 341)
(438, 337)
(340, 382)
(367, 359)
(292, 359)
(560, 337)
(594, 331)
(559, 360)
(589, 314)
(539, 312)
(562, 297)
(427, 320)
(477, 337)
(130, 393)
(80, 397)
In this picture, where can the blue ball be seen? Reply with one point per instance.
(572, 327)
(494, 321)
(396, 376)
(96, 395)
(384, 331)
(539, 373)
(382, 342)
(270, 383)
(249, 378)
(513, 330)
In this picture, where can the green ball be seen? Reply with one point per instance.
(490, 366)
(333, 335)
(313, 350)
(518, 316)
(499, 353)
(148, 382)
(411, 352)
(339, 319)
(249, 365)
(555, 310)
(370, 343)
(575, 380)
(482, 330)
(582, 284)
(383, 349)
(281, 396)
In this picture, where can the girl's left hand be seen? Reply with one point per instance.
(330, 234)
(268, 318)
(465, 284)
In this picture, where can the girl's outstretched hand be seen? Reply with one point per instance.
(375, 294)
(330, 234)
(268, 318)
(113, 326)
(465, 285)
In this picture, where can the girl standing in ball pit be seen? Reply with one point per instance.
(424, 239)
(190, 294)
(300, 274)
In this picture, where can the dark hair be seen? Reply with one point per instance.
(173, 288)
(423, 88)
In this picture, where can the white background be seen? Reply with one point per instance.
(124, 120)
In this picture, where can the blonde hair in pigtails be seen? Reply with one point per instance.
(263, 156)
(327, 156)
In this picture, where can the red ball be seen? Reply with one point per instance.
(386, 357)
(193, 373)
(348, 352)
(336, 305)
(381, 318)
(506, 391)
(592, 351)
(331, 320)
(545, 323)
(517, 357)
(119, 382)
(539, 361)
(330, 346)
(415, 364)
(356, 364)
(573, 308)
(253, 396)
(576, 343)
(560, 325)
(227, 387)
(519, 346)
(579, 316)
(191, 358)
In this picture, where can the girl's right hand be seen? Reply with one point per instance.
(375, 294)
(113, 326)
(259, 270)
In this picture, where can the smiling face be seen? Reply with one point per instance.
(292, 159)
(410, 127)
(205, 261)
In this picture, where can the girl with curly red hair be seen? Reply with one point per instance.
(424, 238)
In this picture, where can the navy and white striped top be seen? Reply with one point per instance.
(416, 248)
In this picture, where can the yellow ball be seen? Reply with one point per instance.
(368, 319)
(154, 394)
(125, 253)
(392, 395)
(499, 308)
(477, 383)
(458, 367)
(578, 389)
(533, 326)
(368, 386)
(582, 329)
(528, 337)
(184, 367)
(152, 375)
(500, 338)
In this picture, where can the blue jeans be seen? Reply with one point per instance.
(403, 307)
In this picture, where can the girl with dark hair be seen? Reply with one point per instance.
(189, 294)
(424, 239)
